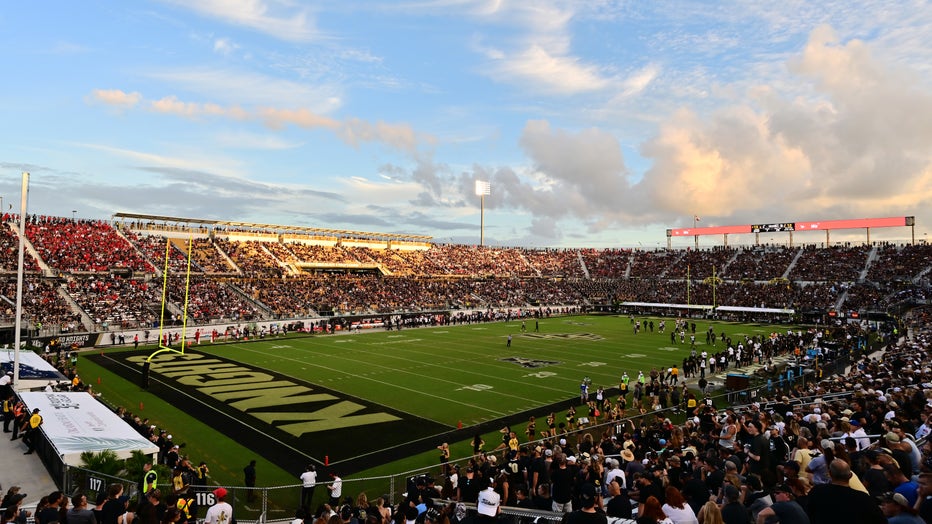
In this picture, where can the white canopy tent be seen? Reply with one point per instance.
(34, 371)
(75, 422)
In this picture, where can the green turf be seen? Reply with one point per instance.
(455, 374)
(449, 374)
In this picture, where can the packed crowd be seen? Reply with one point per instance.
(760, 263)
(70, 245)
(42, 304)
(837, 263)
(848, 448)
(269, 282)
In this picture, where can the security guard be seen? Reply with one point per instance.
(31, 430)
(19, 413)
(149, 479)
(8, 404)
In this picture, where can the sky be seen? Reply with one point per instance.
(597, 123)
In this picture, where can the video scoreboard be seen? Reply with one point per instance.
(773, 228)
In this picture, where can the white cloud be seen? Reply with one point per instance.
(258, 141)
(855, 145)
(247, 88)
(639, 80)
(277, 19)
(115, 98)
(560, 74)
(848, 138)
(353, 131)
(224, 46)
(538, 56)
(189, 161)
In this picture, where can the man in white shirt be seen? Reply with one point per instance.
(308, 483)
(221, 512)
(5, 381)
(336, 490)
(614, 472)
(860, 435)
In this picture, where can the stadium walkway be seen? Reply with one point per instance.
(25, 471)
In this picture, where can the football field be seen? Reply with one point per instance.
(387, 394)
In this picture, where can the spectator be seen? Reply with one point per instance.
(838, 502)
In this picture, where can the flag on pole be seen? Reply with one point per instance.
(696, 218)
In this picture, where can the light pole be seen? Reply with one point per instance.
(483, 188)
(74, 214)
(695, 237)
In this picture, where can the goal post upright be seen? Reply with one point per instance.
(162, 347)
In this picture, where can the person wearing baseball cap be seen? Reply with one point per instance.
(897, 509)
(784, 507)
(489, 504)
(221, 512)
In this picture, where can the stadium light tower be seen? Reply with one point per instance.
(483, 188)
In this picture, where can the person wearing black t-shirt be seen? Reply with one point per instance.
(50, 512)
(114, 506)
(838, 502)
(590, 512)
(469, 485)
(925, 494)
(759, 453)
(784, 508)
(713, 475)
(645, 487)
(619, 506)
(542, 498)
(733, 511)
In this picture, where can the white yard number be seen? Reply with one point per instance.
(541, 374)
(476, 387)
(592, 364)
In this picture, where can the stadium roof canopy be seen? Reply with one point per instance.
(274, 227)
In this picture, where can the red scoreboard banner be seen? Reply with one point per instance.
(812, 225)
(857, 223)
(721, 230)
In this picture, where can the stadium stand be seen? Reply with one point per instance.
(863, 429)
(111, 273)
